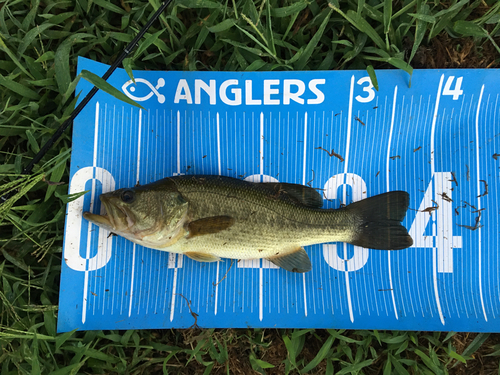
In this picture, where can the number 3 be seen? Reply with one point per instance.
(368, 89)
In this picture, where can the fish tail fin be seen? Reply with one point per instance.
(381, 218)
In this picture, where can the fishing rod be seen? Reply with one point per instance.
(129, 48)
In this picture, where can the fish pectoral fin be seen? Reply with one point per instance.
(201, 257)
(296, 261)
(209, 225)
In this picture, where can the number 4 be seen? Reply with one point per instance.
(457, 91)
(440, 211)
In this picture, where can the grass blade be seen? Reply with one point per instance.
(428, 362)
(13, 58)
(31, 35)
(222, 26)
(420, 30)
(475, 344)
(106, 87)
(296, 7)
(61, 60)
(306, 54)
(18, 88)
(387, 15)
(193, 4)
(373, 76)
(469, 28)
(362, 25)
(322, 354)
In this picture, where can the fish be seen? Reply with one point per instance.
(211, 217)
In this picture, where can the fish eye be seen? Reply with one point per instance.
(127, 196)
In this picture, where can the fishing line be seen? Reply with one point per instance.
(46, 147)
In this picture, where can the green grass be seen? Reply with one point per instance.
(39, 44)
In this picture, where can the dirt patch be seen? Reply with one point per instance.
(482, 362)
(445, 52)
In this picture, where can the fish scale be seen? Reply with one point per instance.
(264, 225)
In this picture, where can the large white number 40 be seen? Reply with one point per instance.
(440, 209)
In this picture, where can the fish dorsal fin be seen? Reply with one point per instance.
(201, 257)
(297, 261)
(209, 225)
(300, 194)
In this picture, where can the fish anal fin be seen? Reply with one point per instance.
(296, 261)
(209, 225)
(304, 195)
(201, 257)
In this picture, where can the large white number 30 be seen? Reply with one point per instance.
(330, 254)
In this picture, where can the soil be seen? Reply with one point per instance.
(481, 363)
(445, 52)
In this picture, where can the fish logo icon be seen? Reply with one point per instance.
(154, 90)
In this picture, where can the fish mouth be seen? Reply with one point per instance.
(104, 221)
(116, 217)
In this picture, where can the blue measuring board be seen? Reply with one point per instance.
(439, 140)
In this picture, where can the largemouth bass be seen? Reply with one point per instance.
(211, 217)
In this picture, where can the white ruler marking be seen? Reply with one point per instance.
(261, 169)
(174, 290)
(433, 129)
(433, 171)
(344, 197)
(473, 255)
(219, 172)
(261, 296)
(303, 183)
(479, 205)
(261, 150)
(178, 142)
(399, 255)
(375, 116)
(115, 263)
(137, 179)
(89, 233)
(410, 118)
(388, 188)
(218, 144)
